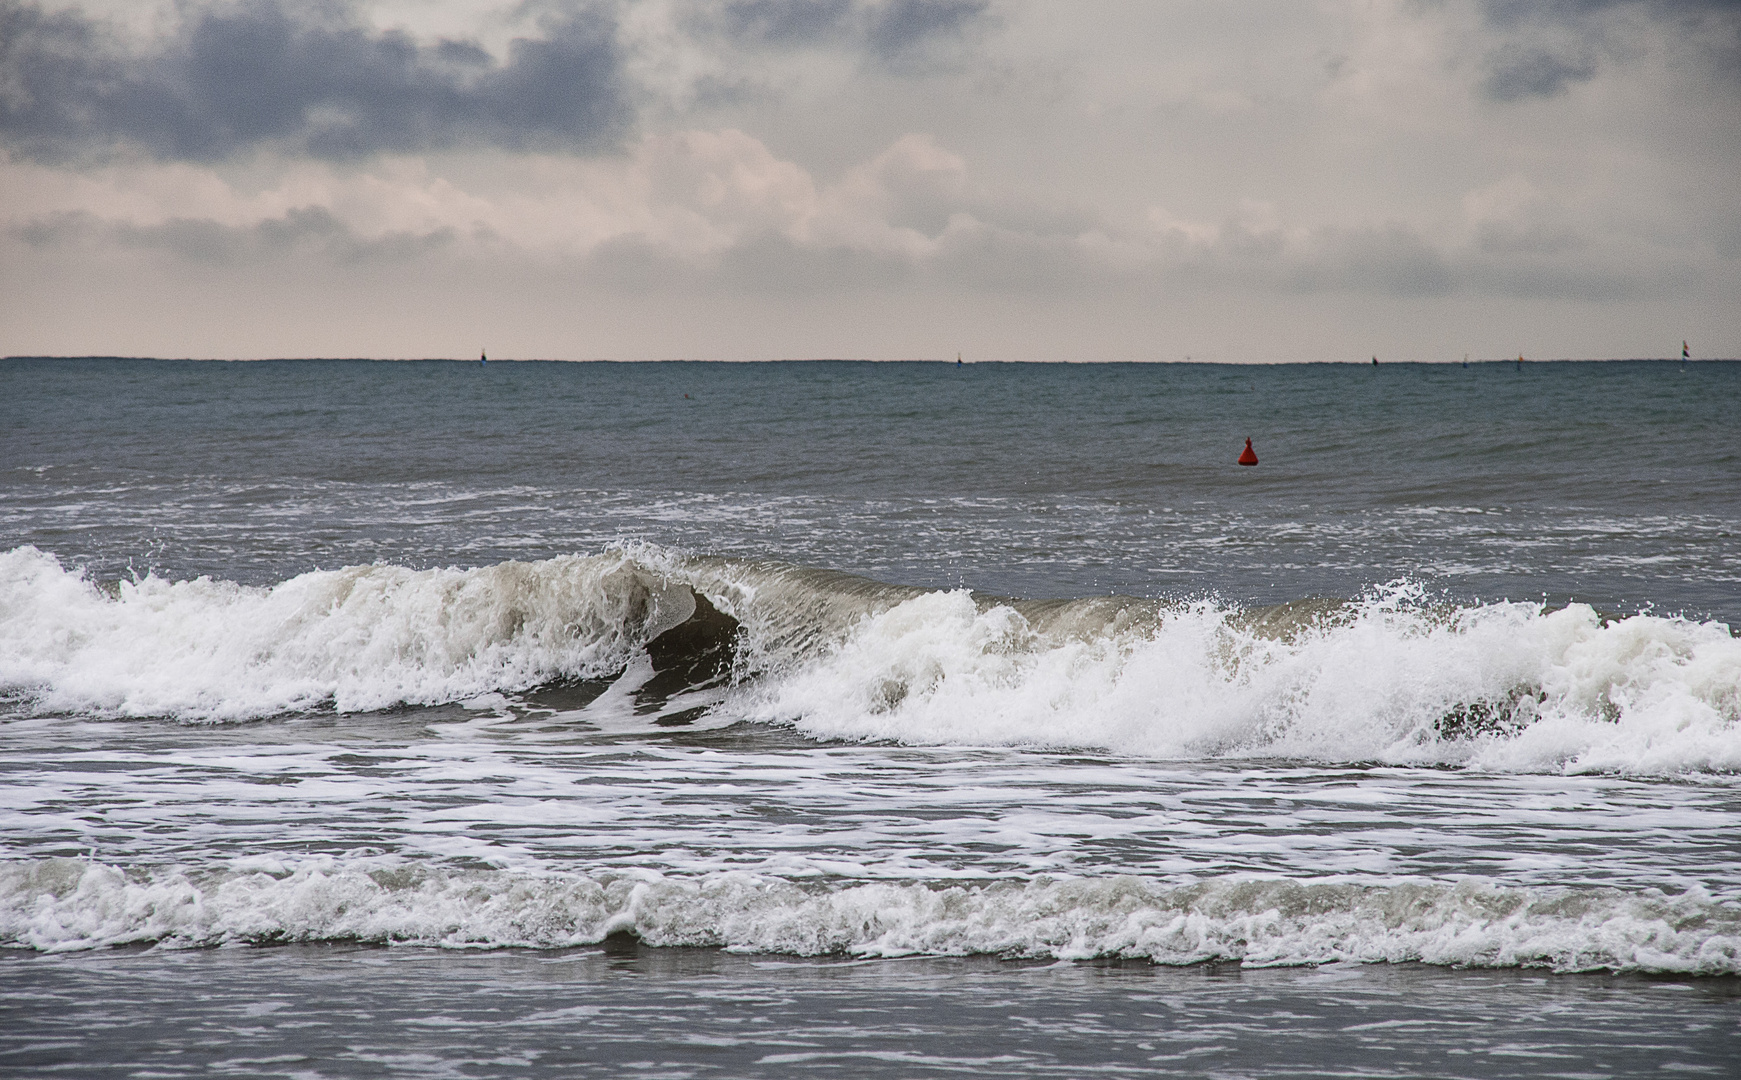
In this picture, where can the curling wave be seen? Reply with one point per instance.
(357, 639)
(69, 904)
(1391, 677)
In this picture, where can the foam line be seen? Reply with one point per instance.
(69, 904)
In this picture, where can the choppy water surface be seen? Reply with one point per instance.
(1611, 483)
(966, 709)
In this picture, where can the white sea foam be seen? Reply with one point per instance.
(365, 637)
(68, 904)
(1390, 678)
(1502, 686)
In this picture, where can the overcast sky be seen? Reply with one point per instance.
(750, 179)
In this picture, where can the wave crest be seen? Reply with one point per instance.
(1389, 678)
(357, 639)
(66, 904)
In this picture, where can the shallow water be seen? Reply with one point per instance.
(623, 1010)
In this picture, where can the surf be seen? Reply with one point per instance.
(650, 636)
(60, 905)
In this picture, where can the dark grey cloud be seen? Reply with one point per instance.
(785, 22)
(1552, 45)
(307, 78)
(1514, 12)
(1517, 72)
(904, 25)
(890, 30)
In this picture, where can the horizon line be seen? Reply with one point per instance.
(868, 360)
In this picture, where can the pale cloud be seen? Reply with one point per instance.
(1514, 215)
(690, 194)
(712, 199)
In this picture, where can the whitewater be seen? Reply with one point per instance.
(854, 700)
(1391, 677)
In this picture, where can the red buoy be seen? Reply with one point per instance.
(1248, 456)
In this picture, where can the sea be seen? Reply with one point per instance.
(520, 719)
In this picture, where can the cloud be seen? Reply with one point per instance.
(1388, 259)
(783, 22)
(890, 30)
(230, 77)
(1549, 46)
(690, 194)
(301, 78)
(677, 204)
(1518, 72)
(692, 207)
(308, 230)
(1256, 249)
(901, 26)
(1514, 217)
(1508, 12)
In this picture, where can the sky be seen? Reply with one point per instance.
(1218, 180)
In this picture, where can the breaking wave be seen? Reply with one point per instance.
(357, 639)
(69, 904)
(1391, 677)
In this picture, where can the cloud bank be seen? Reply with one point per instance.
(1387, 165)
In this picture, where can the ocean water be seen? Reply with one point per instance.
(427, 718)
